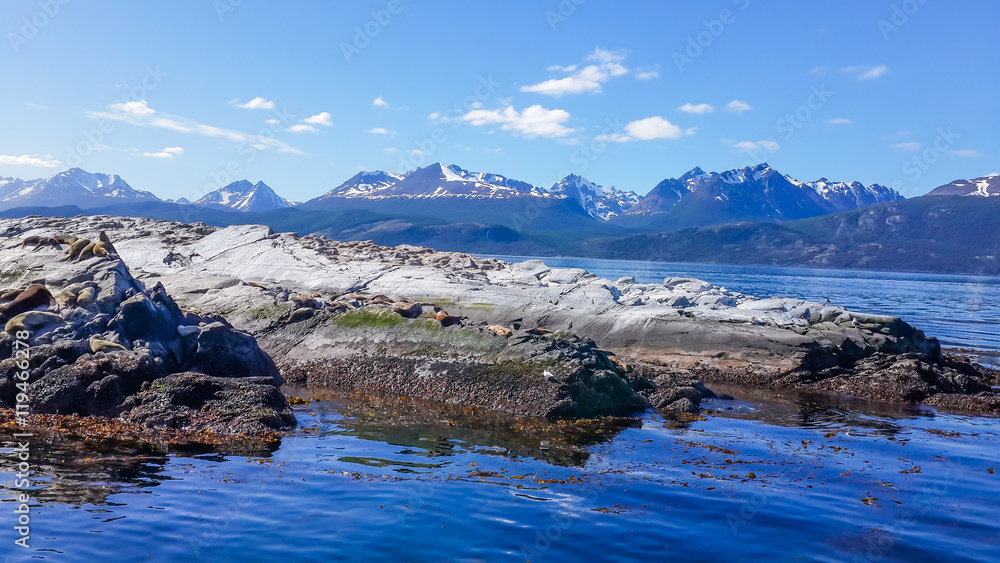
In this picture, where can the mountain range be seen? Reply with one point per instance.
(749, 215)
(437, 190)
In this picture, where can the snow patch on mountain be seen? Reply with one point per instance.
(246, 197)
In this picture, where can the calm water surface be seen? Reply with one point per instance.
(763, 477)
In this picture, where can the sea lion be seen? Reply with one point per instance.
(48, 241)
(538, 331)
(107, 242)
(305, 300)
(254, 284)
(86, 296)
(34, 296)
(30, 240)
(355, 296)
(99, 345)
(441, 314)
(87, 251)
(31, 320)
(448, 320)
(408, 310)
(338, 306)
(77, 246)
(380, 300)
(500, 331)
(301, 314)
(10, 294)
(65, 239)
(101, 251)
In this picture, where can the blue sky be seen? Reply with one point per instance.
(181, 97)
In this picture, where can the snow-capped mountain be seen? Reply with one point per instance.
(600, 202)
(72, 187)
(433, 181)
(754, 193)
(365, 184)
(987, 186)
(244, 196)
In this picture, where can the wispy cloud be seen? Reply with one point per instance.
(647, 129)
(380, 103)
(839, 121)
(533, 121)
(25, 160)
(965, 153)
(321, 118)
(301, 128)
(138, 113)
(696, 108)
(380, 131)
(168, 152)
(33, 105)
(908, 146)
(866, 72)
(738, 106)
(390, 150)
(256, 103)
(647, 73)
(765, 144)
(588, 79)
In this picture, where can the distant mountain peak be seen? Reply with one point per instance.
(74, 186)
(241, 195)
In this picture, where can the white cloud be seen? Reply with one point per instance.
(647, 73)
(909, 146)
(738, 106)
(321, 118)
(607, 64)
(140, 114)
(765, 144)
(301, 128)
(380, 103)
(390, 150)
(534, 121)
(257, 103)
(866, 72)
(434, 116)
(379, 131)
(876, 72)
(25, 160)
(965, 153)
(819, 70)
(647, 130)
(417, 152)
(33, 105)
(696, 108)
(839, 121)
(272, 121)
(168, 152)
(135, 108)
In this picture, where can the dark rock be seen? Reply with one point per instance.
(93, 385)
(224, 352)
(195, 401)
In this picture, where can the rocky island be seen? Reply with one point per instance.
(187, 326)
